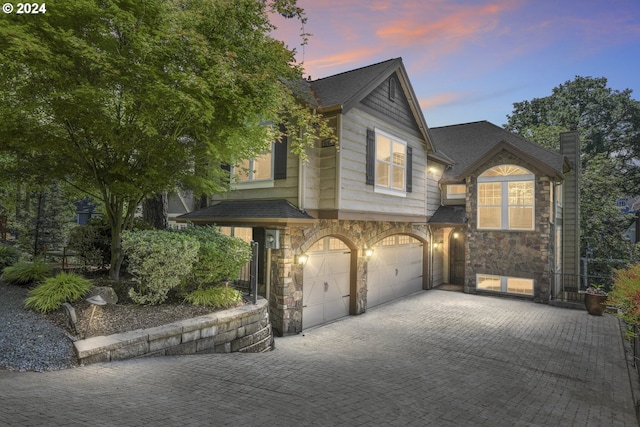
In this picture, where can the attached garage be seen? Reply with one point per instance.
(395, 269)
(326, 282)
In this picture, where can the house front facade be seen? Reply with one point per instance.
(363, 220)
(507, 221)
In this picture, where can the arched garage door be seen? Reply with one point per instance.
(395, 269)
(326, 282)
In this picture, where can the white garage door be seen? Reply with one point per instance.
(326, 282)
(395, 269)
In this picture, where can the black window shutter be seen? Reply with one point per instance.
(280, 153)
(409, 169)
(226, 167)
(371, 157)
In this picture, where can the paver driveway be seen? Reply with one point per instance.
(435, 358)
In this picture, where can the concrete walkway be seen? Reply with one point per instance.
(436, 358)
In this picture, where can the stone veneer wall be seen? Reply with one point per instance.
(286, 275)
(241, 329)
(511, 253)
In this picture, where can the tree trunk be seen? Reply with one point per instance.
(120, 214)
(37, 250)
(155, 211)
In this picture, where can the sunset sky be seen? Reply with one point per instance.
(470, 60)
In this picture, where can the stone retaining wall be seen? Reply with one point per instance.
(241, 329)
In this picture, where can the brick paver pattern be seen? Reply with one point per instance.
(434, 358)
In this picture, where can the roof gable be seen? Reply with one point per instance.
(471, 144)
(344, 91)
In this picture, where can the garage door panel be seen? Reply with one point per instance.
(326, 285)
(394, 271)
(337, 309)
(313, 315)
(313, 293)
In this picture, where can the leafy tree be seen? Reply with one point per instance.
(602, 223)
(127, 99)
(609, 125)
(608, 121)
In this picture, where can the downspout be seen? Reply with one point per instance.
(430, 234)
(302, 179)
(338, 193)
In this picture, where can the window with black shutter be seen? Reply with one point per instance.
(280, 153)
(389, 163)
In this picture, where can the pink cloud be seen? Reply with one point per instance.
(316, 66)
(452, 24)
(348, 34)
(441, 99)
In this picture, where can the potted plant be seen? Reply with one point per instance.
(595, 299)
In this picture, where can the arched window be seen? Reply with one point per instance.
(506, 198)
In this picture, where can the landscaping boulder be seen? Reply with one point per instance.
(106, 292)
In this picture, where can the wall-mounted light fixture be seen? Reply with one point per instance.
(456, 235)
(367, 253)
(437, 245)
(302, 259)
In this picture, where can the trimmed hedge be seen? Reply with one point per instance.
(159, 261)
(219, 257)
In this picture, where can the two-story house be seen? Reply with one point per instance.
(364, 220)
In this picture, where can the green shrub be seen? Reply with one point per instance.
(625, 296)
(24, 273)
(49, 296)
(9, 255)
(217, 297)
(158, 261)
(91, 243)
(219, 256)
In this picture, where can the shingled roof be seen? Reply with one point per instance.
(343, 91)
(471, 144)
(250, 211)
(449, 215)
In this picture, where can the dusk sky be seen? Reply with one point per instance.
(470, 60)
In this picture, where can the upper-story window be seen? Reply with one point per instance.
(506, 198)
(391, 163)
(456, 191)
(263, 170)
(258, 169)
(388, 164)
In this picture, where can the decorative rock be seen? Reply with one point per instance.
(106, 292)
(71, 316)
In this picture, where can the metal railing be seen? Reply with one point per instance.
(247, 280)
(571, 287)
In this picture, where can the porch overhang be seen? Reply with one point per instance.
(248, 212)
(449, 216)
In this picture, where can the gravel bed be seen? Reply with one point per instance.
(28, 341)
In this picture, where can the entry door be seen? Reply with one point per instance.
(326, 283)
(456, 258)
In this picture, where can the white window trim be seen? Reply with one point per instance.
(254, 183)
(389, 190)
(504, 203)
(456, 195)
(503, 284)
